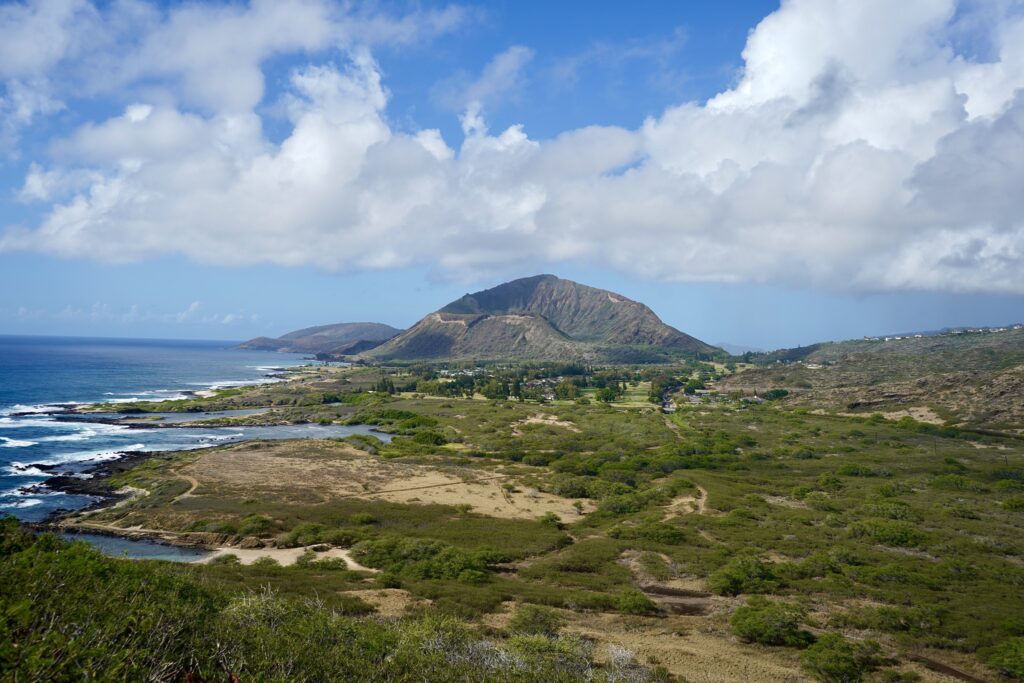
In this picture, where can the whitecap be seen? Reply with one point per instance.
(27, 503)
(15, 443)
(20, 469)
(93, 456)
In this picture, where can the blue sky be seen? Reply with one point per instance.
(759, 175)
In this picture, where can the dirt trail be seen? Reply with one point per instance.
(688, 504)
(187, 494)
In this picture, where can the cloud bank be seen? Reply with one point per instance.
(861, 148)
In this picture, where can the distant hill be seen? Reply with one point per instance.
(970, 376)
(337, 339)
(545, 318)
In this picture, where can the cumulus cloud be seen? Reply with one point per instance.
(859, 149)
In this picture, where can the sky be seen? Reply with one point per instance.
(760, 174)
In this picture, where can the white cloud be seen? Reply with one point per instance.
(857, 150)
(502, 78)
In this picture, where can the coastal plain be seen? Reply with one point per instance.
(638, 530)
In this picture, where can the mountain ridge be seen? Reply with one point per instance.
(336, 338)
(541, 317)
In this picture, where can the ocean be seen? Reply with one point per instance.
(40, 376)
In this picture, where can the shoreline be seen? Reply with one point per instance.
(91, 479)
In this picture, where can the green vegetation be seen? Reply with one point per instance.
(771, 623)
(77, 615)
(834, 659)
(895, 531)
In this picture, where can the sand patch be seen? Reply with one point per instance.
(919, 413)
(284, 556)
(543, 419)
(688, 504)
(389, 602)
(782, 501)
(325, 470)
(678, 645)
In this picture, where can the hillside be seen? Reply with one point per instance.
(975, 378)
(542, 317)
(326, 339)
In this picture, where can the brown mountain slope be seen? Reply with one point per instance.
(541, 317)
(326, 338)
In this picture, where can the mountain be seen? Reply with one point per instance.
(545, 318)
(337, 339)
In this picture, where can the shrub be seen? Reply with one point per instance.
(306, 533)
(888, 532)
(632, 601)
(362, 518)
(770, 623)
(1014, 503)
(834, 659)
(536, 620)
(1008, 658)
(855, 470)
(429, 438)
(419, 558)
(228, 559)
(255, 525)
(265, 562)
(658, 532)
(743, 574)
(957, 482)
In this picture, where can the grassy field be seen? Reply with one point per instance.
(643, 531)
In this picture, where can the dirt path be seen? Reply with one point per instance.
(688, 504)
(187, 494)
(702, 502)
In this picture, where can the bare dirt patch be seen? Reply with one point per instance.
(543, 419)
(682, 646)
(324, 470)
(919, 413)
(688, 504)
(389, 602)
(284, 556)
(782, 501)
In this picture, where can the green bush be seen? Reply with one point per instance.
(834, 659)
(419, 558)
(957, 482)
(632, 601)
(743, 574)
(888, 532)
(536, 620)
(306, 533)
(1008, 658)
(362, 518)
(658, 532)
(771, 623)
(255, 525)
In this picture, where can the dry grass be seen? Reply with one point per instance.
(327, 470)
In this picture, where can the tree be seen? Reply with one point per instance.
(495, 390)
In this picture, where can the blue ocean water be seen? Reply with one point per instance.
(40, 376)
